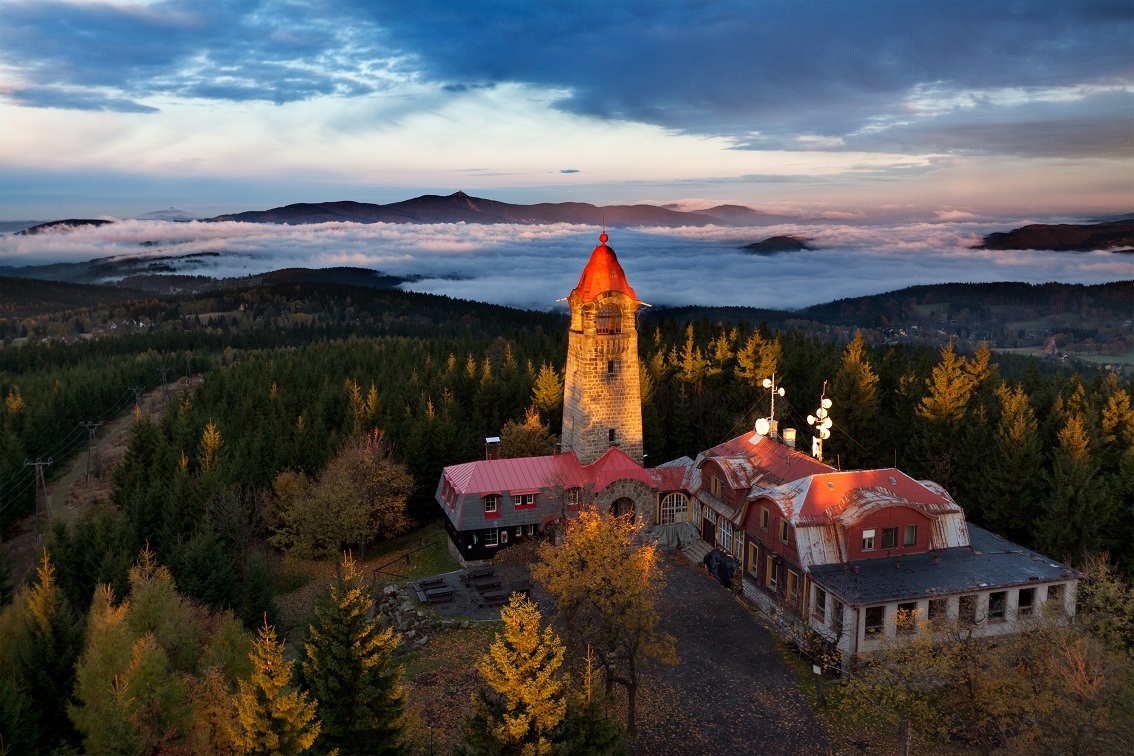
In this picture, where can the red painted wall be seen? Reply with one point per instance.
(890, 517)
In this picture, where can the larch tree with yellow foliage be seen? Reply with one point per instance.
(211, 443)
(272, 717)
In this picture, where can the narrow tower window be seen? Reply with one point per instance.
(612, 435)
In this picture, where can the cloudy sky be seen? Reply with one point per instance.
(123, 107)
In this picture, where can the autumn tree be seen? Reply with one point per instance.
(547, 393)
(210, 446)
(349, 669)
(528, 698)
(43, 643)
(360, 497)
(605, 591)
(757, 359)
(943, 411)
(272, 717)
(531, 438)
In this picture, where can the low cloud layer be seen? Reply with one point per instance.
(532, 266)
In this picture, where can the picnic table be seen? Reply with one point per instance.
(494, 597)
(477, 574)
(435, 595)
(485, 583)
(426, 583)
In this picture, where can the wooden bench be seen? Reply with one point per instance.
(485, 583)
(494, 597)
(427, 583)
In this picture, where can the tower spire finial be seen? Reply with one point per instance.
(603, 237)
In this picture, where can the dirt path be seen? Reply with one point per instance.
(71, 492)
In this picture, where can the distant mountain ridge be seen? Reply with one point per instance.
(463, 208)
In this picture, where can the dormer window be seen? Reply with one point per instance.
(716, 488)
(608, 320)
(868, 540)
(492, 505)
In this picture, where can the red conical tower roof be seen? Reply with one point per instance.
(603, 274)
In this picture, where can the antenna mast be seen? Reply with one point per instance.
(768, 424)
(822, 423)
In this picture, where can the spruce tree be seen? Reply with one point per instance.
(1070, 527)
(1014, 470)
(271, 717)
(855, 396)
(349, 669)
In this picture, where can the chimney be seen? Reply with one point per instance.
(492, 447)
(774, 428)
(789, 437)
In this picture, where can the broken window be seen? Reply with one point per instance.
(938, 610)
(819, 607)
(997, 603)
(889, 538)
(967, 609)
(868, 540)
(784, 531)
(909, 536)
(792, 584)
(1055, 594)
(907, 618)
(1026, 602)
(875, 620)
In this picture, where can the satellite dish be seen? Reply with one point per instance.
(811, 419)
(780, 391)
(828, 423)
(826, 403)
(820, 413)
(767, 383)
(763, 426)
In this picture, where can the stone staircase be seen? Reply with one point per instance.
(696, 553)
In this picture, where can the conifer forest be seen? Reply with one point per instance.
(308, 420)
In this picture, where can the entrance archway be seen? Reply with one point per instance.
(622, 506)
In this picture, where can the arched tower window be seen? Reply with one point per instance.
(609, 319)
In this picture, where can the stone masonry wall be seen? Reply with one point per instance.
(595, 400)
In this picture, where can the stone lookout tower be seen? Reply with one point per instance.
(602, 397)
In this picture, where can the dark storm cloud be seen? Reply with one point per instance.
(774, 68)
(240, 50)
(768, 74)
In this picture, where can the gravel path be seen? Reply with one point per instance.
(731, 692)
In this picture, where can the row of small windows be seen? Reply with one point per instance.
(519, 501)
(889, 537)
(907, 615)
(493, 538)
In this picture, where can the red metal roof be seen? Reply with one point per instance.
(615, 465)
(668, 478)
(496, 475)
(603, 274)
(774, 463)
(838, 492)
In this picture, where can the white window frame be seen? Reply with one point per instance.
(674, 508)
(573, 496)
(868, 538)
(492, 504)
(523, 500)
(724, 536)
(491, 539)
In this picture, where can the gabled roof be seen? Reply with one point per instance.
(526, 473)
(603, 274)
(670, 476)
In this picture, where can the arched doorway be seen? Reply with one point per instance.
(622, 506)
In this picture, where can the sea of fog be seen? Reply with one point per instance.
(532, 266)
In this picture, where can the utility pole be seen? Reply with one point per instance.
(164, 384)
(39, 464)
(138, 395)
(91, 427)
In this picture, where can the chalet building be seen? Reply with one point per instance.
(858, 556)
(862, 556)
